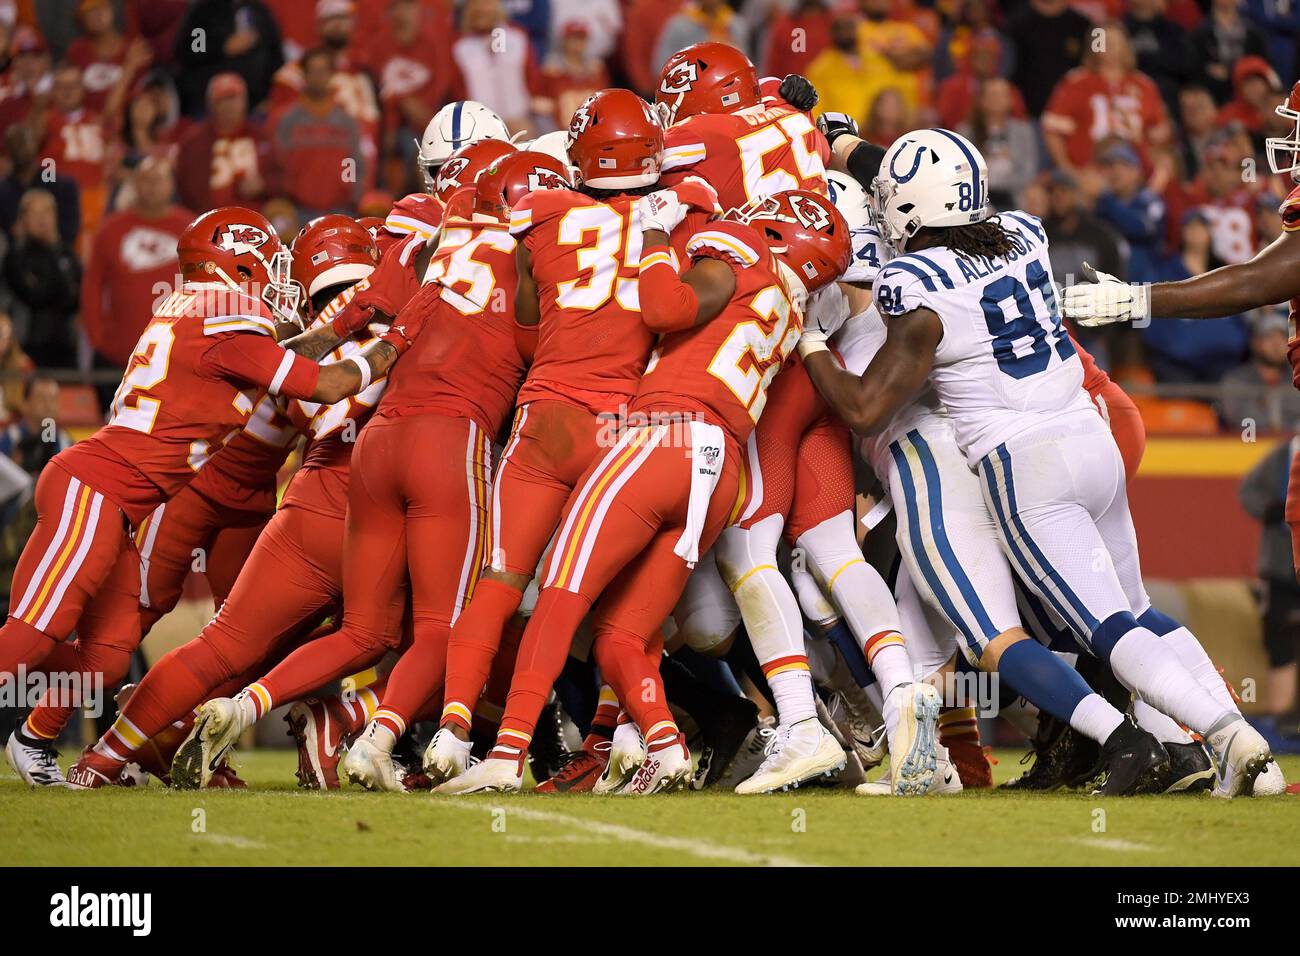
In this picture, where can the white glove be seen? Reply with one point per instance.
(812, 340)
(661, 210)
(827, 309)
(1104, 301)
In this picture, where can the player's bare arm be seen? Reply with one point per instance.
(315, 343)
(896, 374)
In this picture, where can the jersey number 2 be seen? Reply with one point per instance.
(147, 369)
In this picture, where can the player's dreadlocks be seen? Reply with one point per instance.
(987, 239)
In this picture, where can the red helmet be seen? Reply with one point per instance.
(526, 171)
(706, 78)
(465, 165)
(804, 231)
(239, 247)
(332, 250)
(1284, 151)
(616, 141)
(372, 225)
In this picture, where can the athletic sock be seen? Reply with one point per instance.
(1161, 726)
(1150, 666)
(1053, 686)
(844, 641)
(886, 655)
(606, 718)
(959, 726)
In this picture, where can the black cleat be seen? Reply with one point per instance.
(1134, 763)
(1190, 769)
(547, 753)
(724, 729)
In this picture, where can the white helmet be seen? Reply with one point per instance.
(456, 124)
(869, 250)
(554, 144)
(929, 177)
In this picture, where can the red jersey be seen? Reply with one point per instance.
(1086, 109)
(321, 484)
(75, 141)
(190, 386)
(419, 214)
(99, 74)
(1290, 213)
(213, 168)
(722, 369)
(465, 363)
(591, 344)
(242, 474)
(131, 263)
(749, 154)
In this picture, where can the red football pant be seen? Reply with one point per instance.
(78, 571)
(1126, 426)
(550, 446)
(192, 533)
(616, 541)
(417, 506)
(293, 575)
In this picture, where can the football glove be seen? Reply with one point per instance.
(798, 92)
(835, 125)
(1103, 300)
(664, 209)
(352, 318)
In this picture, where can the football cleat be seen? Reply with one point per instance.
(913, 745)
(35, 761)
(225, 778)
(216, 729)
(798, 753)
(947, 780)
(667, 767)
(579, 773)
(92, 771)
(751, 755)
(446, 757)
(318, 728)
(1242, 755)
(1190, 769)
(626, 755)
(972, 764)
(371, 766)
(724, 729)
(1133, 762)
(1271, 782)
(500, 772)
(1062, 757)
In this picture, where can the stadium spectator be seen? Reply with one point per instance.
(1280, 24)
(145, 130)
(74, 141)
(888, 118)
(1256, 92)
(220, 36)
(1187, 350)
(44, 275)
(132, 264)
(957, 94)
(1263, 495)
(1225, 197)
(1259, 390)
(316, 146)
(695, 22)
(15, 367)
(26, 82)
(102, 52)
(534, 18)
(35, 437)
(1223, 38)
(896, 53)
(1134, 210)
(1049, 39)
(796, 37)
(1196, 127)
(570, 75)
(962, 25)
(23, 146)
(497, 62)
(840, 72)
(644, 21)
(1104, 98)
(1009, 143)
(603, 19)
(1077, 236)
(1160, 46)
(222, 161)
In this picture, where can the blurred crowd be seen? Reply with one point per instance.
(1134, 129)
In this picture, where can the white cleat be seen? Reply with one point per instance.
(751, 755)
(627, 753)
(1270, 783)
(369, 765)
(667, 767)
(446, 757)
(36, 764)
(496, 774)
(914, 742)
(799, 753)
(216, 729)
(1242, 755)
(946, 781)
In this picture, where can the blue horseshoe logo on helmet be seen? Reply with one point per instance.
(898, 177)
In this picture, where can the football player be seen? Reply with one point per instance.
(962, 290)
(300, 548)
(640, 516)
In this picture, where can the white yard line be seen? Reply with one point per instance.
(238, 842)
(704, 849)
(1113, 843)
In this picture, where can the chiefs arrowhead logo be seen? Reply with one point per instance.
(542, 178)
(811, 215)
(449, 175)
(580, 121)
(680, 78)
(239, 238)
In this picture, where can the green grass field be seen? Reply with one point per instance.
(274, 823)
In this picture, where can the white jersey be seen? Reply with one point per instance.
(1005, 363)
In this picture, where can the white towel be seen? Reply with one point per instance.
(708, 453)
